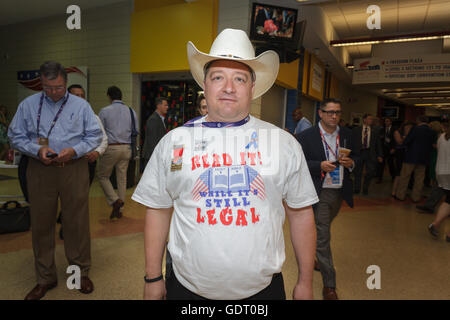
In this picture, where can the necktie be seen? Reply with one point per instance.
(366, 137)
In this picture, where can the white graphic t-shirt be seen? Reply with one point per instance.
(226, 186)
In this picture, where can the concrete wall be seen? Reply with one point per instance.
(102, 44)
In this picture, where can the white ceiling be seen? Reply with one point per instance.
(349, 17)
(15, 11)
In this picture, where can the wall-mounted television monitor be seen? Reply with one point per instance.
(273, 23)
(390, 112)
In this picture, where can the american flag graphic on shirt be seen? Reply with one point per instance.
(229, 179)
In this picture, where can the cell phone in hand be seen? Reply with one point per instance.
(51, 155)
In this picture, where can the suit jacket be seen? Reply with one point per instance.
(313, 149)
(387, 145)
(375, 145)
(154, 131)
(419, 144)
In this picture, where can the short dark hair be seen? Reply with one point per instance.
(160, 100)
(52, 69)
(422, 118)
(208, 65)
(330, 100)
(365, 115)
(114, 93)
(75, 86)
(199, 99)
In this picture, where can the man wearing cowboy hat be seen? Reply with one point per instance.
(229, 179)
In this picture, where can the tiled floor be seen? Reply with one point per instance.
(378, 231)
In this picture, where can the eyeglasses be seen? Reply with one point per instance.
(331, 112)
(47, 88)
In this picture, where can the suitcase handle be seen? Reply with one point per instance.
(5, 205)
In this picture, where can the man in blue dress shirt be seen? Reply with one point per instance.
(302, 123)
(56, 129)
(118, 124)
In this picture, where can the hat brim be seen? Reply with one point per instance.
(265, 66)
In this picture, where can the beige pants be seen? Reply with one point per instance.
(116, 156)
(405, 175)
(69, 184)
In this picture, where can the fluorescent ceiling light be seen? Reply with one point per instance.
(391, 39)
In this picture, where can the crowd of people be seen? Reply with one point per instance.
(204, 191)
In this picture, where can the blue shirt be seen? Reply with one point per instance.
(117, 122)
(75, 128)
(303, 124)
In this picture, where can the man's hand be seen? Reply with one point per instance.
(346, 162)
(380, 159)
(65, 155)
(327, 166)
(92, 156)
(155, 291)
(302, 292)
(43, 155)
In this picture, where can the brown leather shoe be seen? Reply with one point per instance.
(329, 294)
(40, 290)
(86, 285)
(116, 209)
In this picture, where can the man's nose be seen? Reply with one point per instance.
(229, 86)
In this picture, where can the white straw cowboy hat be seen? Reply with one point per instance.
(232, 44)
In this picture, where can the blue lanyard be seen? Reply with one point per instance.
(192, 123)
(41, 102)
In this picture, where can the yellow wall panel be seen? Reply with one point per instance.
(334, 87)
(288, 75)
(316, 79)
(159, 34)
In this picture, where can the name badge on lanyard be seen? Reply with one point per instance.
(41, 140)
(333, 178)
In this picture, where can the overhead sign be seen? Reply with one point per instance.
(420, 68)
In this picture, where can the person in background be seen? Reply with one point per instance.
(92, 156)
(331, 176)
(437, 193)
(118, 124)
(388, 143)
(367, 140)
(302, 122)
(419, 144)
(155, 128)
(399, 151)
(430, 178)
(202, 108)
(56, 130)
(443, 179)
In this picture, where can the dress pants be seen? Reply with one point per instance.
(371, 171)
(325, 211)
(117, 156)
(69, 184)
(405, 175)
